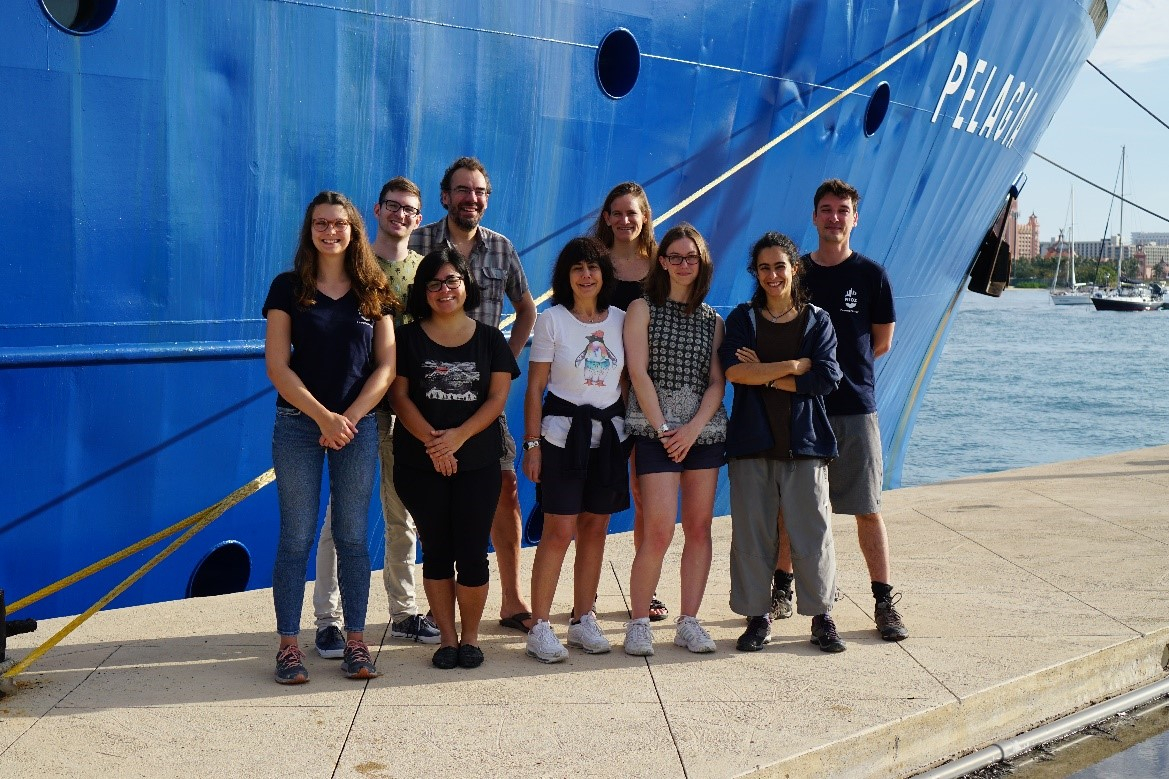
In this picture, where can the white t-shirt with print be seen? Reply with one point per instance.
(587, 360)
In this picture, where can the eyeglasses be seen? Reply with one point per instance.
(450, 282)
(482, 192)
(393, 206)
(678, 259)
(322, 225)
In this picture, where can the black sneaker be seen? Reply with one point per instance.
(415, 628)
(330, 643)
(757, 634)
(888, 620)
(824, 634)
(290, 666)
(356, 663)
(781, 602)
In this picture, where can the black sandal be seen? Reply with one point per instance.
(659, 607)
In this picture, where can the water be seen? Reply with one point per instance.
(1023, 382)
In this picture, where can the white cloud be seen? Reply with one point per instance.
(1135, 36)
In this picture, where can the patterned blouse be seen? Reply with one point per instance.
(679, 367)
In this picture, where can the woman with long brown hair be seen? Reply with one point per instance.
(329, 351)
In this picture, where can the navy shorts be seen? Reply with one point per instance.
(562, 492)
(652, 457)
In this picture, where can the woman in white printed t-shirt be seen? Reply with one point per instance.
(574, 424)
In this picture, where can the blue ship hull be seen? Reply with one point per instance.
(157, 168)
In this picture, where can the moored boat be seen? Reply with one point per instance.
(166, 151)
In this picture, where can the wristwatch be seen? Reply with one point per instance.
(532, 444)
(665, 428)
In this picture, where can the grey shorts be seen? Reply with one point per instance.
(856, 475)
(507, 461)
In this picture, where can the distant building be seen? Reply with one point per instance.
(1161, 239)
(1026, 238)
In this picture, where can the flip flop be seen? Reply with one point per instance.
(516, 621)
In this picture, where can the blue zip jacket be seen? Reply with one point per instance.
(748, 431)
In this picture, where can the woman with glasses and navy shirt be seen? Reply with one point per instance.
(453, 378)
(679, 423)
(329, 351)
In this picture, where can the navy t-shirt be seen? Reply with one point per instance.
(857, 295)
(332, 343)
(448, 384)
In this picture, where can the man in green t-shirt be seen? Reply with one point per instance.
(398, 213)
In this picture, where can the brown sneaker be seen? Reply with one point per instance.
(888, 620)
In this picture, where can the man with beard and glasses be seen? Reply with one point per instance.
(465, 190)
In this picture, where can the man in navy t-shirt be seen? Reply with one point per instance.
(855, 292)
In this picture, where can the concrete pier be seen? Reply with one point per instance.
(1028, 594)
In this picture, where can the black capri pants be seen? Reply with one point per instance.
(453, 515)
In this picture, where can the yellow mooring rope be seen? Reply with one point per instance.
(193, 524)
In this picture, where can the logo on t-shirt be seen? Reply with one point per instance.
(597, 358)
(850, 298)
(450, 380)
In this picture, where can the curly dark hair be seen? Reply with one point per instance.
(374, 297)
(787, 246)
(578, 250)
(417, 305)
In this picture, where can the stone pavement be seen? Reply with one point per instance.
(1027, 593)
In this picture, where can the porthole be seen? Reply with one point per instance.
(618, 63)
(80, 17)
(223, 570)
(877, 108)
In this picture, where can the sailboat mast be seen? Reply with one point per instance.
(1072, 239)
(1120, 249)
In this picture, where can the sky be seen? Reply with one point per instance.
(1095, 120)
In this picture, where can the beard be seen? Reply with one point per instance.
(465, 222)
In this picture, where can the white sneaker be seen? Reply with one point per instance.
(693, 636)
(544, 645)
(587, 635)
(639, 639)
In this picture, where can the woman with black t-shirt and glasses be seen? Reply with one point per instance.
(329, 351)
(452, 384)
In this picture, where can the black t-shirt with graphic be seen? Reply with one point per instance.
(857, 295)
(448, 384)
(332, 343)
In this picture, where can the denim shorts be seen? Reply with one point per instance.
(652, 457)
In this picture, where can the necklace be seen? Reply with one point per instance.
(589, 319)
(776, 317)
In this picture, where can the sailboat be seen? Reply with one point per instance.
(1128, 295)
(1073, 294)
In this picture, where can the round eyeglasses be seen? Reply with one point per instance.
(322, 225)
(450, 282)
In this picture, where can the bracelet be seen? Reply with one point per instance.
(531, 438)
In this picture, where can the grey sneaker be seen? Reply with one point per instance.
(639, 639)
(330, 643)
(888, 620)
(692, 635)
(587, 635)
(356, 662)
(544, 645)
(290, 666)
(781, 602)
(415, 627)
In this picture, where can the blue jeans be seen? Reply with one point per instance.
(298, 459)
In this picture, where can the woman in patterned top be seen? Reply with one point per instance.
(679, 423)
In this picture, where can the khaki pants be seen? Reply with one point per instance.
(401, 546)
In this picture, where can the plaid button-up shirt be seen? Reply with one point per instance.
(494, 264)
